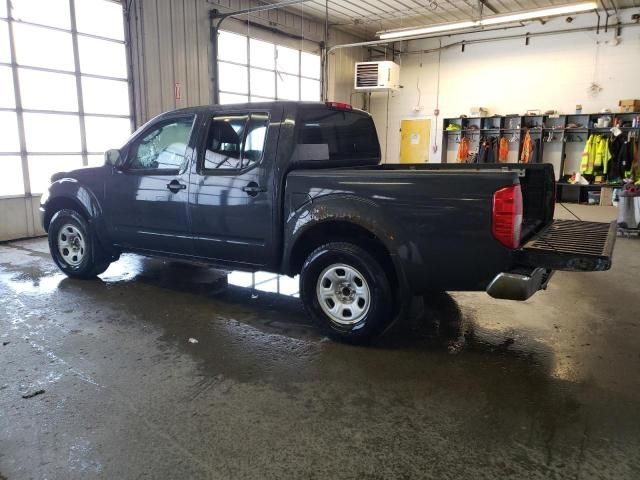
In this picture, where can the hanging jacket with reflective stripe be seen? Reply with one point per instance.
(595, 155)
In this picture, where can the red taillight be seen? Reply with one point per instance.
(339, 106)
(507, 216)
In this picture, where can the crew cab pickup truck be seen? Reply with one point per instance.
(298, 188)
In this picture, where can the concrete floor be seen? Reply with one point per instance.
(549, 388)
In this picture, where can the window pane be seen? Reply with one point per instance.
(263, 83)
(3, 10)
(163, 148)
(41, 167)
(12, 182)
(47, 132)
(254, 139)
(48, 91)
(224, 142)
(105, 96)
(102, 57)
(5, 53)
(229, 98)
(288, 87)
(310, 90)
(46, 12)
(263, 54)
(105, 133)
(233, 78)
(344, 135)
(288, 60)
(261, 99)
(232, 47)
(9, 141)
(100, 17)
(95, 160)
(42, 47)
(7, 96)
(310, 65)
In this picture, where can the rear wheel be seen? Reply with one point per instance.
(346, 292)
(73, 246)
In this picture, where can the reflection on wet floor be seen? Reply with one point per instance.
(266, 282)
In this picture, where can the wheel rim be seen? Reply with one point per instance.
(71, 245)
(343, 294)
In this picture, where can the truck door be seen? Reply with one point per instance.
(232, 196)
(146, 198)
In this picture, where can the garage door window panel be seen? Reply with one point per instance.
(288, 87)
(7, 98)
(41, 167)
(232, 47)
(105, 133)
(101, 18)
(102, 57)
(48, 91)
(43, 47)
(105, 96)
(5, 52)
(9, 140)
(263, 83)
(54, 13)
(262, 54)
(163, 148)
(12, 182)
(52, 133)
(233, 78)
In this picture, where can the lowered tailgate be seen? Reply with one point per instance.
(571, 245)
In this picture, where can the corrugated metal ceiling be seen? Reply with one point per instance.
(366, 17)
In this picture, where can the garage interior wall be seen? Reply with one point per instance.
(170, 44)
(553, 72)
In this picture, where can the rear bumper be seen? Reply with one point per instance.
(519, 286)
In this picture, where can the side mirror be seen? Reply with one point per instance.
(112, 157)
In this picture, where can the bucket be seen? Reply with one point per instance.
(593, 198)
(629, 211)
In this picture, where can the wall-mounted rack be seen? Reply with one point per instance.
(550, 129)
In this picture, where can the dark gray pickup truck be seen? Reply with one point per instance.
(297, 188)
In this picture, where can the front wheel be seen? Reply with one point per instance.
(72, 246)
(346, 292)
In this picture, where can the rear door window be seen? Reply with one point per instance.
(235, 142)
(336, 135)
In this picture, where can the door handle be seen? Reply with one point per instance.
(253, 189)
(175, 186)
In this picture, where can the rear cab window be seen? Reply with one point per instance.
(335, 135)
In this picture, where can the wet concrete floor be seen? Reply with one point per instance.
(470, 388)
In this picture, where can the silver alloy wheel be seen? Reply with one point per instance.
(71, 245)
(343, 294)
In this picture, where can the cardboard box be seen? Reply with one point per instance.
(629, 106)
(479, 112)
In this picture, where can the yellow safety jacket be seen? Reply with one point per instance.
(596, 155)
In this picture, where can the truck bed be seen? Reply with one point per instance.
(443, 213)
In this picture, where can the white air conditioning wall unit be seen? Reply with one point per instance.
(377, 76)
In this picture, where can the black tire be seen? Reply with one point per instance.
(91, 259)
(380, 310)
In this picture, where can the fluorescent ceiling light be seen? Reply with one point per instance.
(543, 12)
(516, 17)
(426, 30)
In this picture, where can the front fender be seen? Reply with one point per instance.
(70, 193)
